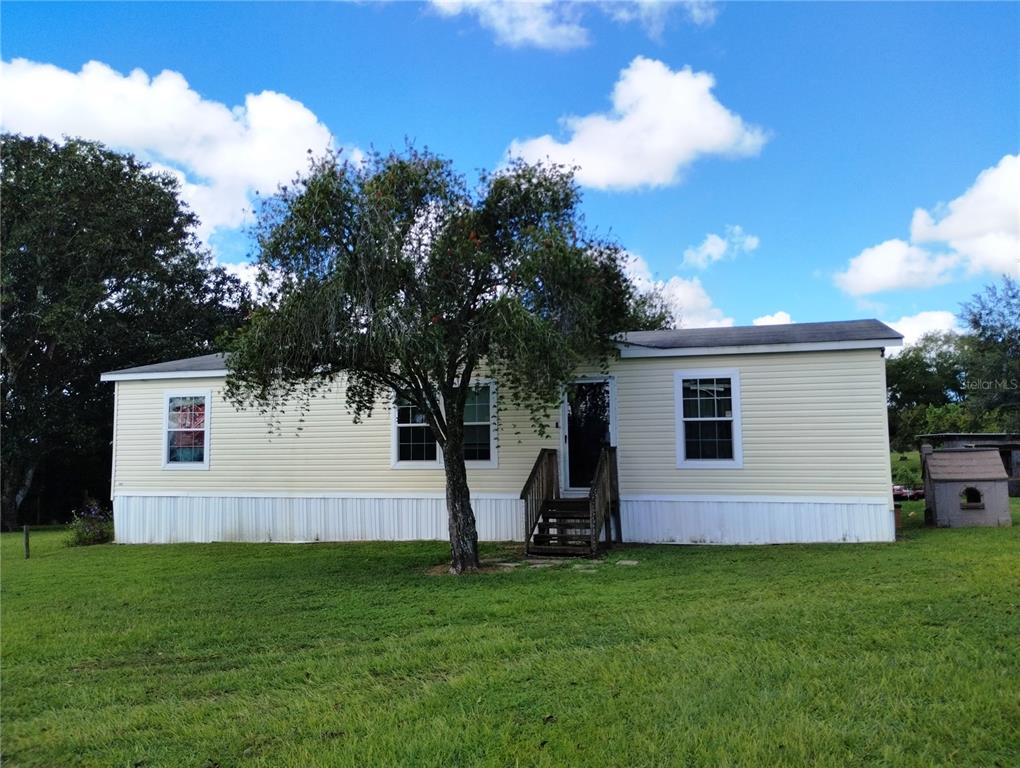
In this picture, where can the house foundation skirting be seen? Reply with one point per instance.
(165, 519)
(754, 520)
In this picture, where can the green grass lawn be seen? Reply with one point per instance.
(288, 655)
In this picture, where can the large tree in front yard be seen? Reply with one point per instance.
(401, 278)
(101, 270)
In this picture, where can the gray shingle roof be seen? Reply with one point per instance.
(754, 335)
(684, 338)
(965, 464)
(213, 362)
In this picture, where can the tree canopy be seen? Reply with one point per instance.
(405, 280)
(101, 270)
(950, 382)
(992, 352)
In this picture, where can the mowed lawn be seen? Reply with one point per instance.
(352, 654)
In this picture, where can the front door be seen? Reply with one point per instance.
(587, 430)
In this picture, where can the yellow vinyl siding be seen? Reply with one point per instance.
(814, 424)
(330, 454)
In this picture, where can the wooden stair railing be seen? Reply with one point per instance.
(542, 485)
(573, 526)
(604, 500)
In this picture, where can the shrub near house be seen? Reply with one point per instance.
(91, 523)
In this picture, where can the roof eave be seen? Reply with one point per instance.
(155, 375)
(630, 349)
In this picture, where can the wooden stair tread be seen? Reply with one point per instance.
(545, 527)
(566, 503)
(559, 549)
(552, 514)
(555, 539)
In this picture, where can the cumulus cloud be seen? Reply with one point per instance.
(718, 247)
(895, 264)
(982, 226)
(661, 121)
(219, 154)
(776, 318)
(688, 301)
(913, 327)
(559, 26)
(978, 232)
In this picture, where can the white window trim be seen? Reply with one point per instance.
(492, 463)
(733, 375)
(207, 429)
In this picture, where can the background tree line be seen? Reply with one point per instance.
(960, 382)
(100, 270)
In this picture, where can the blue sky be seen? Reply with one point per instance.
(817, 160)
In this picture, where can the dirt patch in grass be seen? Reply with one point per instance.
(443, 569)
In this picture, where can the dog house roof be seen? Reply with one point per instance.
(965, 464)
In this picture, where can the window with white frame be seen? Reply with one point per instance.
(478, 424)
(708, 419)
(415, 438)
(186, 443)
(415, 443)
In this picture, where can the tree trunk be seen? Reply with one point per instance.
(463, 533)
(12, 501)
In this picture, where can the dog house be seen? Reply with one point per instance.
(965, 487)
(1006, 443)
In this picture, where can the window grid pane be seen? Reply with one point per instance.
(185, 441)
(708, 418)
(416, 440)
(476, 442)
(416, 443)
(476, 409)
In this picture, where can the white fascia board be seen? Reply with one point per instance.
(219, 374)
(633, 350)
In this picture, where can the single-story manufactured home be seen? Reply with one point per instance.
(747, 435)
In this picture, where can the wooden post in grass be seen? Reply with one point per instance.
(26, 542)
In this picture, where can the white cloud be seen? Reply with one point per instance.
(913, 327)
(894, 264)
(653, 14)
(983, 224)
(690, 304)
(246, 272)
(540, 23)
(715, 247)
(776, 318)
(220, 154)
(702, 12)
(661, 121)
(558, 26)
(978, 232)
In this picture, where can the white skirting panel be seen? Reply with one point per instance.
(164, 519)
(749, 520)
